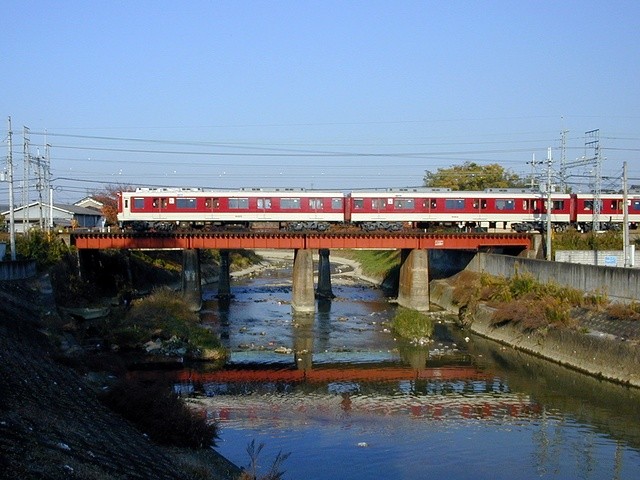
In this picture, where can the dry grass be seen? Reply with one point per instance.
(519, 300)
(619, 311)
(534, 314)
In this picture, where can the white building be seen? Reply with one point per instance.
(61, 216)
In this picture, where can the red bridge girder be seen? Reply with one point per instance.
(291, 240)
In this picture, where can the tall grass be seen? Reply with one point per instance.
(412, 325)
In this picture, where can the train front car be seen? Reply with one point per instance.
(197, 209)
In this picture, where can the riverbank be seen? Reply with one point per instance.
(599, 346)
(52, 424)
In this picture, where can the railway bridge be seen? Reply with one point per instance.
(413, 291)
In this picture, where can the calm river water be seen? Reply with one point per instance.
(349, 401)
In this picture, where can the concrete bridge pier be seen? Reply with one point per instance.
(302, 294)
(88, 264)
(324, 275)
(413, 291)
(224, 277)
(191, 286)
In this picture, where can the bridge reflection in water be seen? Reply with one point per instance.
(276, 392)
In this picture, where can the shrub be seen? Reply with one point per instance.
(164, 315)
(161, 414)
(44, 248)
(412, 325)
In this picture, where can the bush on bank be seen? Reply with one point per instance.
(521, 300)
(412, 325)
(165, 317)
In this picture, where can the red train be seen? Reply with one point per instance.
(383, 209)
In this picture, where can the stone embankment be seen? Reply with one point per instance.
(52, 424)
(600, 347)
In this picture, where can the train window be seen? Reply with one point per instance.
(315, 203)
(212, 203)
(476, 203)
(635, 205)
(616, 205)
(588, 204)
(505, 204)
(264, 203)
(404, 204)
(358, 203)
(138, 203)
(290, 203)
(558, 204)
(186, 203)
(336, 203)
(454, 203)
(238, 203)
(433, 202)
(378, 203)
(525, 205)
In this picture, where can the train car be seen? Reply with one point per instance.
(170, 208)
(428, 208)
(380, 209)
(611, 210)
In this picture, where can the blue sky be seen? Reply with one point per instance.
(314, 94)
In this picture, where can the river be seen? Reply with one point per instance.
(347, 400)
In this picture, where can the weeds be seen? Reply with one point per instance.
(164, 315)
(274, 473)
(520, 300)
(620, 311)
(412, 325)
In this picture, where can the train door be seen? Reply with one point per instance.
(159, 207)
(264, 206)
(316, 207)
(479, 219)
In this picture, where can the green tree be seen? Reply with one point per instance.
(473, 177)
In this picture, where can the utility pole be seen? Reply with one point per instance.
(12, 221)
(594, 142)
(549, 204)
(563, 160)
(25, 180)
(628, 249)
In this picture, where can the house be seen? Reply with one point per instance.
(38, 214)
(90, 202)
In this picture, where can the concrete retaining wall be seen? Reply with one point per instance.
(619, 284)
(594, 355)
(18, 270)
(609, 258)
